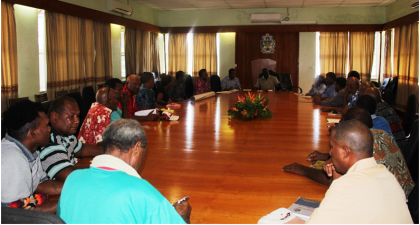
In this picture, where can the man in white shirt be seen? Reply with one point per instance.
(267, 82)
(230, 82)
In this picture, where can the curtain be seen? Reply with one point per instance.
(177, 53)
(406, 62)
(333, 52)
(388, 56)
(9, 73)
(361, 50)
(78, 52)
(141, 51)
(205, 53)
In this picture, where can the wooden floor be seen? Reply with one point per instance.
(230, 168)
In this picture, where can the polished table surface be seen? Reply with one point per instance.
(230, 168)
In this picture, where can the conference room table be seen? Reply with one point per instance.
(232, 168)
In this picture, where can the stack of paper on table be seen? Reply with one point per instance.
(333, 120)
(144, 112)
(307, 97)
(334, 114)
(303, 208)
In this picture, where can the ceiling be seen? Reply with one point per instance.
(245, 4)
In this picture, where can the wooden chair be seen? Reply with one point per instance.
(13, 101)
(41, 97)
(61, 93)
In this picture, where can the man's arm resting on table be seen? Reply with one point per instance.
(329, 109)
(316, 175)
(89, 151)
(50, 187)
(64, 173)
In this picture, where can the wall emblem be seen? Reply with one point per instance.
(267, 44)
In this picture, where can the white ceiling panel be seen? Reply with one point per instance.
(243, 4)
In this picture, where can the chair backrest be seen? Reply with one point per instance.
(78, 97)
(394, 87)
(410, 114)
(13, 101)
(215, 83)
(46, 105)
(411, 151)
(88, 95)
(60, 93)
(41, 97)
(23, 216)
(286, 81)
(385, 83)
(189, 87)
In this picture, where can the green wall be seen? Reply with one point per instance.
(399, 9)
(226, 53)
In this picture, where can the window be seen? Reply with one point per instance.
(42, 51)
(376, 57)
(122, 53)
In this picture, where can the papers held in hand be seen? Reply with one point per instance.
(144, 112)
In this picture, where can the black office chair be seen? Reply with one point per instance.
(23, 216)
(286, 82)
(189, 86)
(394, 87)
(88, 95)
(13, 101)
(385, 83)
(83, 112)
(46, 105)
(410, 114)
(215, 83)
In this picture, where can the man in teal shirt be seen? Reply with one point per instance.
(111, 191)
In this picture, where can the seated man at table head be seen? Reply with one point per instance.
(146, 96)
(267, 82)
(131, 89)
(60, 155)
(21, 171)
(388, 113)
(162, 96)
(177, 91)
(100, 115)
(368, 103)
(385, 151)
(124, 197)
(366, 192)
(202, 85)
(337, 100)
(231, 81)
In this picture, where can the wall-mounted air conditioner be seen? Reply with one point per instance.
(119, 7)
(414, 3)
(265, 18)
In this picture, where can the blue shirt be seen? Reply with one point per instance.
(380, 123)
(98, 196)
(329, 91)
(354, 99)
(146, 97)
(116, 115)
(227, 83)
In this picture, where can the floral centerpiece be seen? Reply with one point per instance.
(250, 106)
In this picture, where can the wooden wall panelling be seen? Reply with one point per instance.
(286, 54)
(409, 19)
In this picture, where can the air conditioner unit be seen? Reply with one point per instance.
(119, 7)
(414, 3)
(265, 18)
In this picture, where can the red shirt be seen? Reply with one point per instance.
(201, 86)
(97, 119)
(132, 106)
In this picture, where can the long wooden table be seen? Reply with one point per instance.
(230, 168)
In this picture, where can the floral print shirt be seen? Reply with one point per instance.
(97, 119)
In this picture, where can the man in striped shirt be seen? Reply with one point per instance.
(59, 156)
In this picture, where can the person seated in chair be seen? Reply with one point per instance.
(146, 96)
(24, 183)
(202, 85)
(385, 151)
(362, 190)
(267, 82)
(111, 191)
(60, 155)
(177, 91)
(231, 81)
(162, 97)
(337, 100)
(318, 88)
(352, 88)
(329, 92)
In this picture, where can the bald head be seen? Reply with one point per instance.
(356, 136)
(108, 97)
(375, 93)
(102, 95)
(364, 86)
(352, 85)
(133, 83)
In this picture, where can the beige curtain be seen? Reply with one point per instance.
(406, 62)
(177, 53)
(142, 51)
(205, 53)
(361, 50)
(387, 55)
(9, 73)
(333, 52)
(78, 52)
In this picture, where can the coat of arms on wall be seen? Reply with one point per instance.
(267, 44)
